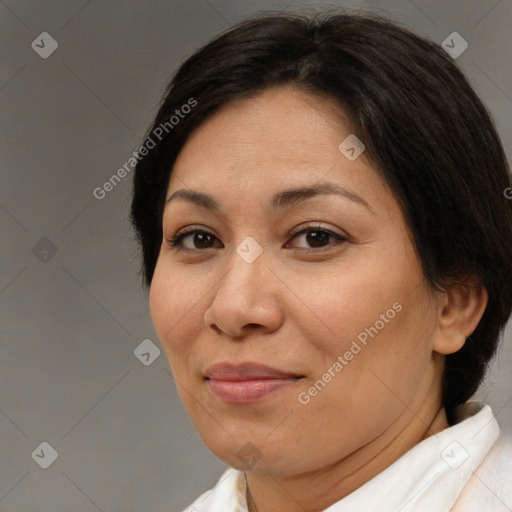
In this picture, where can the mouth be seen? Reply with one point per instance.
(248, 382)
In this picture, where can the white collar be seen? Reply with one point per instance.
(430, 476)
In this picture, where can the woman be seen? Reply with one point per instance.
(329, 255)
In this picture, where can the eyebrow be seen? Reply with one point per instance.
(282, 199)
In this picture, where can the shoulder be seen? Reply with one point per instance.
(490, 486)
(228, 494)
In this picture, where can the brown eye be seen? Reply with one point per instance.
(199, 240)
(202, 240)
(318, 238)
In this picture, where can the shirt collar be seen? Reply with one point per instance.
(430, 476)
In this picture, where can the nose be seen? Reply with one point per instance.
(246, 298)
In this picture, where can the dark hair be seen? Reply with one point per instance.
(429, 135)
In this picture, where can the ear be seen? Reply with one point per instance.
(460, 310)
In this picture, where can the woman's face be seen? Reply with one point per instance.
(324, 288)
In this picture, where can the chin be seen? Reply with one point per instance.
(249, 453)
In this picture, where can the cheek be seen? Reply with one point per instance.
(376, 365)
(345, 304)
(174, 309)
(375, 317)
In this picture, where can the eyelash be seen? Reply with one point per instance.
(175, 241)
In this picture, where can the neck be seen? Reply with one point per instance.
(319, 489)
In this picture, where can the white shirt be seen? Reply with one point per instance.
(462, 469)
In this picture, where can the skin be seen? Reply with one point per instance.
(297, 310)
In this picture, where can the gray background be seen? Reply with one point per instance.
(70, 321)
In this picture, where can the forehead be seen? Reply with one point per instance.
(252, 148)
(280, 131)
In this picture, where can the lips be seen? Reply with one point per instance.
(246, 371)
(247, 382)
